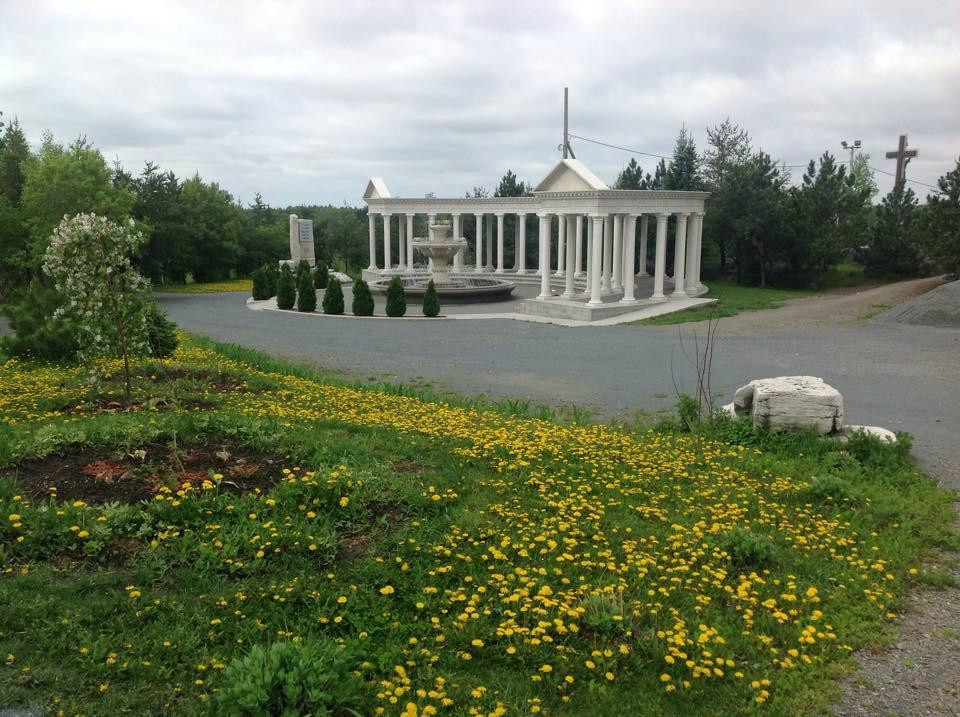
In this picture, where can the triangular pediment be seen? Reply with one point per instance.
(376, 189)
(570, 175)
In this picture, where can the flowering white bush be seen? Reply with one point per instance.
(106, 298)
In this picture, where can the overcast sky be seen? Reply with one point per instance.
(303, 101)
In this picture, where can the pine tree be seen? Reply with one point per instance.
(892, 248)
(684, 171)
(943, 222)
(362, 299)
(286, 289)
(306, 292)
(396, 298)
(321, 275)
(272, 272)
(632, 177)
(333, 298)
(431, 302)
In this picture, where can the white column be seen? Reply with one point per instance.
(544, 256)
(561, 246)
(578, 256)
(500, 243)
(690, 254)
(607, 259)
(617, 277)
(660, 262)
(479, 247)
(679, 255)
(569, 265)
(590, 243)
(409, 218)
(458, 257)
(372, 225)
(401, 244)
(596, 259)
(630, 240)
(386, 241)
(698, 253)
(521, 258)
(643, 246)
(489, 257)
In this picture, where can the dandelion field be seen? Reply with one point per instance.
(453, 558)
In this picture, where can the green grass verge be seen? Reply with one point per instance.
(731, 300)
(213, 287)
(436, 550)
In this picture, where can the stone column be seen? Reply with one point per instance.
(500, 243)
(660, 262)
(386, 241)
(679, 255)
(561, 246)
(691, 253)
(630, 239)
(578, 255)
(698, 254)
(521, 258)
(607, 258)
(544, 255)
(458, 257)
(643, 246)
(409, 218)
(570, 264)
(401, 251)
(616, 282)
(596, 259)
(590, 242)
(489, 257)
(479, 247)
(372, 225)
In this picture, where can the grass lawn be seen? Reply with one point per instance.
(213, 287)
(731, 300)
(247, 532)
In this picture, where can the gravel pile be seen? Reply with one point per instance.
(939, 307)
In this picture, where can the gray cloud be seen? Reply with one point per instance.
(304, 101)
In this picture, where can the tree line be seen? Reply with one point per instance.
(759, 228)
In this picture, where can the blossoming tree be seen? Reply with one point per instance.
(106, 298)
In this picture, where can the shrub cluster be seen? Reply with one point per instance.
(321, 275)
(161, 333)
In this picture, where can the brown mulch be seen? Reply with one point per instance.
(100, 476)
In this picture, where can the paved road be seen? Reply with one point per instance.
(898, 376)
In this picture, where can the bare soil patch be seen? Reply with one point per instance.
(102, 476)
(385, 517)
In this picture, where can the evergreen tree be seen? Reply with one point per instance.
(306, 292)
(273, 277)
(431, 302)
(684, 171)
(321, 276)
(362, 299)
(659, 175)
(632, 177)
(333, 298)
(302, 268)
(14, 152)
(396, 298)
(892, 248)
(261, 284)
(728, 146)
(942, 241)
(286, 289)
(510, 187)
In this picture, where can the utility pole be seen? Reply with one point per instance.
(851, 148)
(565, 149)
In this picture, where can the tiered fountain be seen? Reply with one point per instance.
(440, 248)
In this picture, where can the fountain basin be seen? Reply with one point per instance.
(456, 290)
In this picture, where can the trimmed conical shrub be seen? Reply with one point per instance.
(396, 298)
(362, 299)
(261, 284)
(321, 276)
(431, 302)
(273, 277)
(302, 268)
(333, 298)
(286, 289)
(306, 293)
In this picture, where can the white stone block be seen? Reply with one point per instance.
(791, 403)
(882, 433)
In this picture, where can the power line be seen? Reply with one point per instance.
(785, 166)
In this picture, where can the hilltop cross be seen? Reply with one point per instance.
(902, 155)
